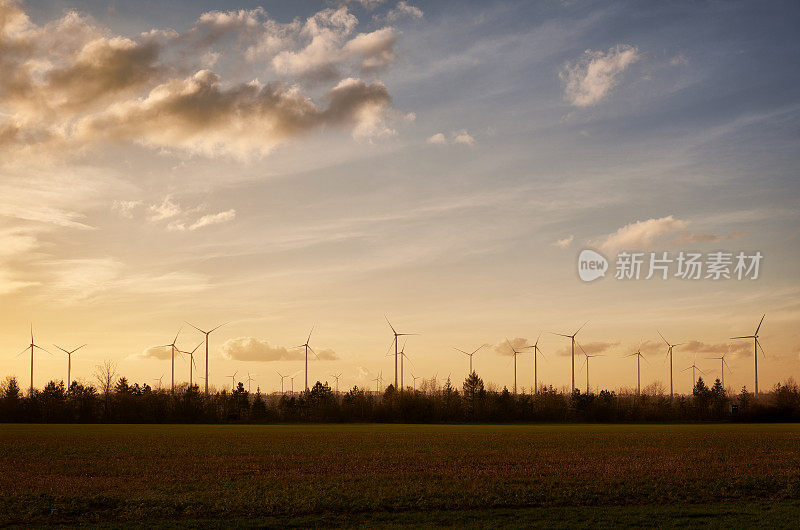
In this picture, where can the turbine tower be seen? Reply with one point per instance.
(249, 380)
(307, 347)
(586, 362)
(69, 360)
(336, 378)
(233, 381)
(536, 350)
(414, 383)
(394, 343)
(32, 346)
(669, 354)
(723, 364)
(572, 339)
(173, 348)
(282, 378)
(191, 360)
(639, 357)
(207, 333)
(516, 352)
(470, 354)
(754, 336)
(693, 367)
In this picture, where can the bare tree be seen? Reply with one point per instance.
(106, 376)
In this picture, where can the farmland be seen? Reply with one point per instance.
(560, 475)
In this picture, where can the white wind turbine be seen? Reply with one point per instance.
(207, 333)
(639, 357)
(173, 348)
(69, 361)
(572, 339)
(756, 346)
(282, 378)
(669, 354)
(396, 353)
(723, 364)
(693, 367)
(515, 353)
(191, 361)
(586, 363)
(470, 354)
(32, 346)
(536, 351)
(336, 378)
(307, 347)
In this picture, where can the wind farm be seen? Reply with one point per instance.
(561, 215)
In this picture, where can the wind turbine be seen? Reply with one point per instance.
(282, 378)
(172, 348)
(191, 360)
(669, 353)
(207, 333)
(336, 377)
(394, 343)
(69, 360)
(754, 336)
(291, 378)
(307, 347)
(159, 379)
(516, 352)
(723, 364)
(414, 383)
(639, 357)
(536, 351)
(378, 382)
(249, 380)
(32, 346)
(471, 354)
(572, 338)
(233, 381)
(693, 367)
(586, 362)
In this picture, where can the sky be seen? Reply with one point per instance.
(289, 165)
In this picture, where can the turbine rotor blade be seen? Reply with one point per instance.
(662, 338)
(743, 337)
(580, 328)
(390, 324)
(759, 324)
(216, 328)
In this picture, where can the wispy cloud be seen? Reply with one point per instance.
(456, 137)
(643, 234)
(564, 243)
(253, 349)
(590, 79)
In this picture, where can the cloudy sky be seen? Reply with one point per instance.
(327, 163)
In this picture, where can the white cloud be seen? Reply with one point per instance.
(463, 137)
(564, 243)
(456, 137)
(642, 234)
(437, 138)
(167, 209)
(253, 349)
(403, 10)
(590, 79)
(125, 208)
(206, 220)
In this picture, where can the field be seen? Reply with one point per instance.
(366, 475)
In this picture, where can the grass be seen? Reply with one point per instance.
(391, 475)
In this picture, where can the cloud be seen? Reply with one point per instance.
(125, 208)
(517, 343)
(464, 137)
(590, 79)
(437, 138)
(564, 243)
(199, 115)
(591, 348)
(206, 220)
(456, 137)
(167, 209)
(643, 234)
(253, 349)
(156, 352)
(70, 85)
(737, 348)
(403, 10)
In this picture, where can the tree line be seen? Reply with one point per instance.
(116, 400)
